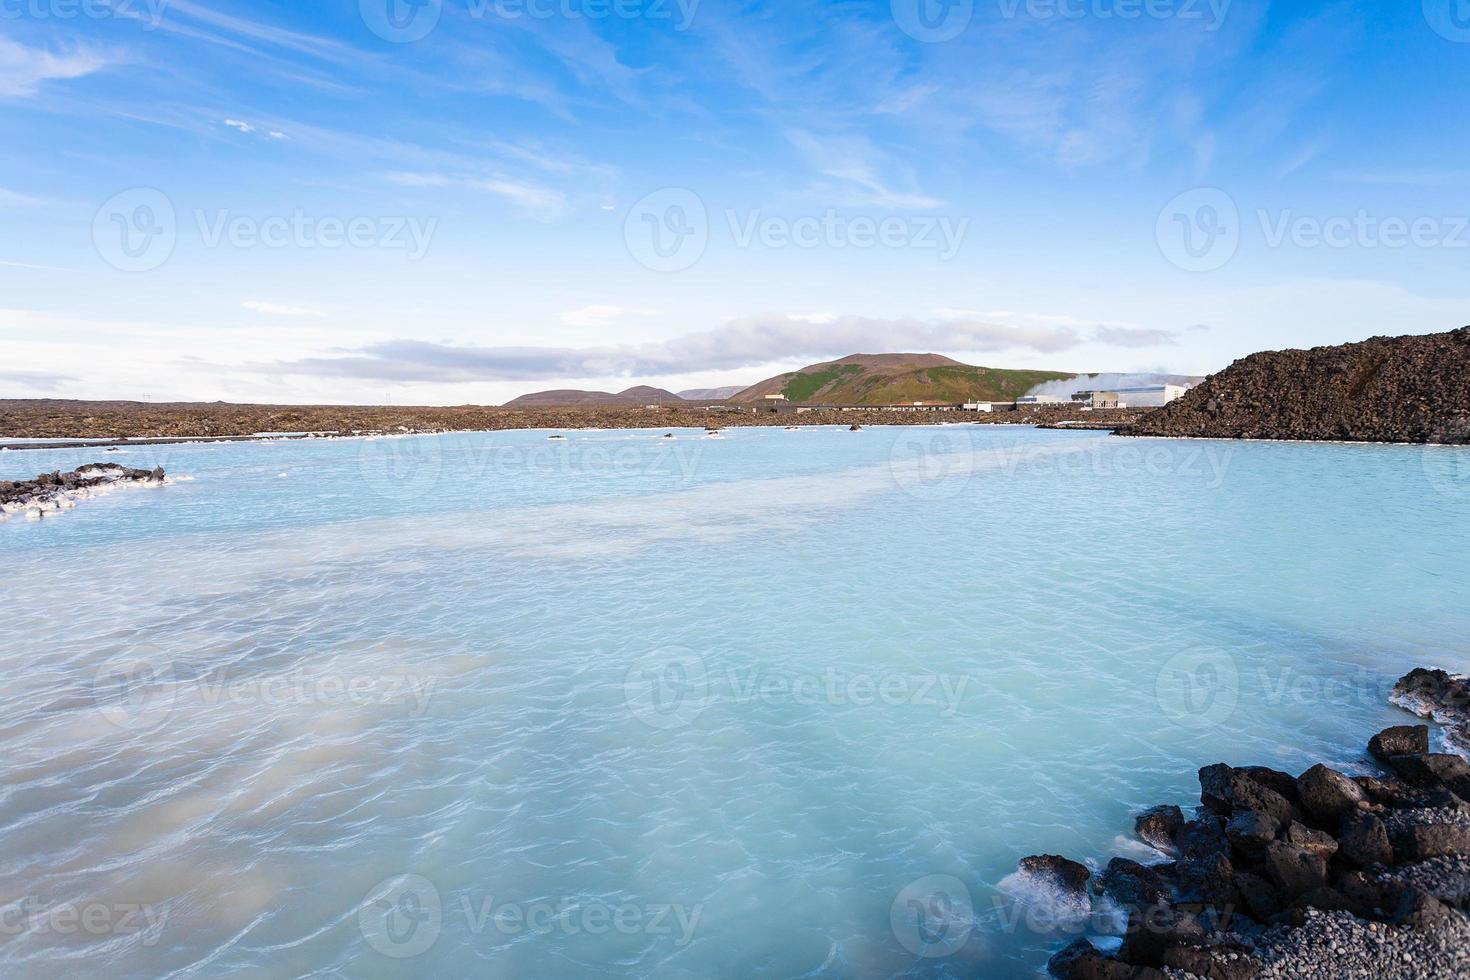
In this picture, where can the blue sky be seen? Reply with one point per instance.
(462, 201)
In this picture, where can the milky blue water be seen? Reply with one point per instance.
(495, 705)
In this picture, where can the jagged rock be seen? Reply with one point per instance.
(1159, 827)
(1294, 870)
(1434, 769)
(1228, 791)
(1250, 831)
(1273, 779)
(1328, 795)
(1419, 910)
(1133, 885)
(1055, 870)
(1317, 841)
(1433, 694)
(1212, 962)
(1155, 929)
(1399, 740)
(1260, 896)
(1364, 841)
(1084, 961)
(1425, 841)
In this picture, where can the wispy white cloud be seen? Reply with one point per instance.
(746, 342)
(23, 69)
(279, 309)
(601, 315)
(243, 127)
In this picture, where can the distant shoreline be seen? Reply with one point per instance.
(100, 425)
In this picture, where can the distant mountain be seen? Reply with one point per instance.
(1387, 389)
(641, 395)
(896, 379)
(711, 394)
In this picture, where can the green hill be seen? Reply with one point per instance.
(895, 379)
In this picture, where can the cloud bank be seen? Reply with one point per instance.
(742, 343)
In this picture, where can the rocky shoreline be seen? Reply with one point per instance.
(50, 493)
(1318, 875)
(189, 422)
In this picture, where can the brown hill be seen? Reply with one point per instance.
(1387, 389)
(896, 379)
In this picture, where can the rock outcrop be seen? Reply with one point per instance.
(51, 492)
(1387, 389)
(1314, 875)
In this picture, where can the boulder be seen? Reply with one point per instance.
(1363, 841)
(1260, 896)
(1425, 841)
(1367, 897)
(1156, 928)
(1432, 769)
(1328, 795)
(1317, 841)
(1133, 885)
(1294, 870)
(1084, 961)
(1069, 876)
(1159, 827)
(1212, 962)
(1419, 910)
(1399, 740)
(1250, 831)
(1325, 898)
(1273, 779)
(1228, 791)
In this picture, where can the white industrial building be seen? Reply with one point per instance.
(1147, 396)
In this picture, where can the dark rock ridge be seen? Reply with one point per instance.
(1387, 389)
(1317, 875)
(55, 491)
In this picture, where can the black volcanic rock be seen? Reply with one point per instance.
(1159, 827)
(1400, 740)
(1328, 795)
(1387, 389)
